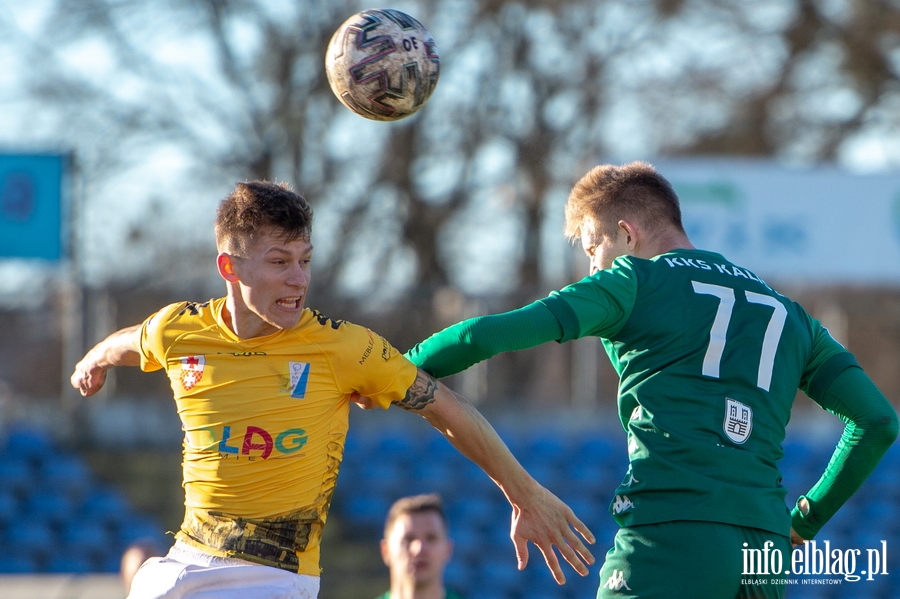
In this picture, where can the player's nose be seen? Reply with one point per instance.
(298, 276)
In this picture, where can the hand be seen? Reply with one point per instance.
(87, 378)
(362, 401)
(803, 506)
(547, 522)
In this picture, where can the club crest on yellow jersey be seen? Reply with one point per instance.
(191, 371)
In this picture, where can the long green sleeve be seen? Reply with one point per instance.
(871, 428)
(468, 342)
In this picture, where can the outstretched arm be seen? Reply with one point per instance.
(538, 515)
(468, 342)
(122, 348)
(871, 428)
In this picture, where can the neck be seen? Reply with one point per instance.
(242, 321)
(663, 242)
(407, 589)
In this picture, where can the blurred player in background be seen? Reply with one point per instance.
(416, 548)
(710, 359)
(262, 385)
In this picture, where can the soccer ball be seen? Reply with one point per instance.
(382, 64)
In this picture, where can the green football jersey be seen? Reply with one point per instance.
(710, 359)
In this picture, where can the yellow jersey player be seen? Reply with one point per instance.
(263, 386)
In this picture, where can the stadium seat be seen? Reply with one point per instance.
(366, 510)
(30, 536)
(28, 443)
(107, 504)
(46, 504)
(498, 573)
(67, 474)
(16, 474)
(85, 538)
(62, 563)
(18, 564)
(9, 505)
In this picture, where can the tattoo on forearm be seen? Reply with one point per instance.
(420, 393)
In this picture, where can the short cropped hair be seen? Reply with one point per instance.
(254, 206)
(609, 193)
(416, 504)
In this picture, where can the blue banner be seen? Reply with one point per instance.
(31, 206)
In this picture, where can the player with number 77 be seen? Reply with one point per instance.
(710, 359)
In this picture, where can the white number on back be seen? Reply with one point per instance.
(717, 334)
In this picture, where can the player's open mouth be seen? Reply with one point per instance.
(292, 303)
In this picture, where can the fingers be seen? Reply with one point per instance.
(521, 551)
(553, 563)
(88, 383)
(574, 541)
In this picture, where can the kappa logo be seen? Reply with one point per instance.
(629, 478)
(621, 504)
(191, 371)
(616, 581)
(299, 378)
(738, 421)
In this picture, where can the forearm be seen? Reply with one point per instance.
(122, 348)
(466, 343)
(470, 433)
(871, 428)
(537, 515)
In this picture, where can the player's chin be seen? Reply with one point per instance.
(285, 319)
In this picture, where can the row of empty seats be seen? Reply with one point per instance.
(583, 468)
(55, 516)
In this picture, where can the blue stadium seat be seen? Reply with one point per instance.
(9, 505)
(476, 511)
(30, 536)
(16, 474)
(498, 573)
(107, 504)
(85, 538)
(62, 563)
(67, 474)
(18, 564)
(45, 504)
(137, 527)
(457, 576)
(28, 443)
(366, 510)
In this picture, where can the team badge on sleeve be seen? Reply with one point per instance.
(191, 371)
(738, 421)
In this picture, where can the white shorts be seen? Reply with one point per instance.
(188, 573)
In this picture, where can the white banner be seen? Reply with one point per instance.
(820, 225)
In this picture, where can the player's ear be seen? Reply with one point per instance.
(225, 263)
(385, 554)
(630, 231)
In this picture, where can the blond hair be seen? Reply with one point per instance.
(610, 193)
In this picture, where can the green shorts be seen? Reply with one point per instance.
(695, 560)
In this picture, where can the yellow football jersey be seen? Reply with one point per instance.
(265, 421)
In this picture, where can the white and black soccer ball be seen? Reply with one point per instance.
(382, 64)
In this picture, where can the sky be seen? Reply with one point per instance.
(112, 209)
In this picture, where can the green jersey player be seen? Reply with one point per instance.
(710, 359)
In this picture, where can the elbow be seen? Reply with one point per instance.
(891, 426)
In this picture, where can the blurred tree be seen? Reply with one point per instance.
(168, 103)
